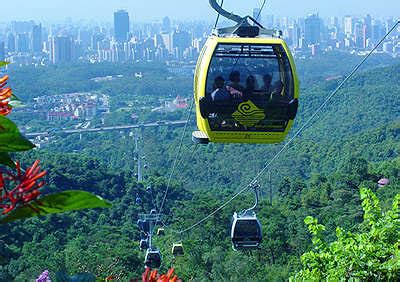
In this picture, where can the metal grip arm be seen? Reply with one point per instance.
(225, 13)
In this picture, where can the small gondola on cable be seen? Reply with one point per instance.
(177, 249)
(246, 233)
(246, 88)
(153, 258)
(144, 244)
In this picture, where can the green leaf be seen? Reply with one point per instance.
(6, 160)
(72, 200)
(15, 102)
(2, 64)
(11, 140)
(14, 99)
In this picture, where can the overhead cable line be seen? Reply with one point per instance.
(178, 153)
(298, 132)
(259, 12)
(216, 21)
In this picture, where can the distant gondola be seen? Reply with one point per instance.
(177, 250)
(153, 258)
(246, 231)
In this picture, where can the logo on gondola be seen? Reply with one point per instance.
(248, 114)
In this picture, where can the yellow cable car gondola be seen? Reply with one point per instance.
(177, 249)
(246, 88)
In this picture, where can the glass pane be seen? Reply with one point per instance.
(247, 229)
(249, 88)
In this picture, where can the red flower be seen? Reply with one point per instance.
(5, 95)
(26, 187)
(153, 276)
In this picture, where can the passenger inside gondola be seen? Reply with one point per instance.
(220, 93)
(267, 79)
(247, 83)
(250, 87)
(234, 87)
(277, 98)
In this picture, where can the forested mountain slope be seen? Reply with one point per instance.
(354, 142)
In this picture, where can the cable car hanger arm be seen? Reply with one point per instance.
(231, 16)
(255, 186)
(242, 28)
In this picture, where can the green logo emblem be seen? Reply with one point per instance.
(248, 114)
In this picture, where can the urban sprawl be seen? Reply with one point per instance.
(32, 43)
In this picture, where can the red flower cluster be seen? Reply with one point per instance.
(26, 187)
(5, 95)
(153, 276)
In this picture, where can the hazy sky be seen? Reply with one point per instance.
(139, 10)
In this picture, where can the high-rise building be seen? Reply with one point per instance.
(167, 40)
(21, 26)
(121, 26)
(166, 25)
(348, 25)
(2, 51)
(359, 38)
(312, 29)
(368, 26)
(294, 35)
(10, 42)
(61, 49)
(334, 22)
(36, 38)
(180, 39)
(377, 31)
(22, 42)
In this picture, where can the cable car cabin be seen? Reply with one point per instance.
(144, 225)
(245, 231)
(144, 244)
(177, 250)
(160, 231)
(153, 258)
(246, 90)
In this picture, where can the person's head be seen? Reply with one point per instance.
(267, 79)
(250, 82)
(234, 76)
(219, 82)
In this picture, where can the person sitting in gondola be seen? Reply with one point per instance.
(276, 95)
(234, 87)
(250, 87)
(222, 103)
(220, 93)
(267, 79)
(278, 103)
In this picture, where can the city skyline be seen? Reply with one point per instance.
(170, 42)
(55, 11)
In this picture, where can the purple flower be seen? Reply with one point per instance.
(44, 277)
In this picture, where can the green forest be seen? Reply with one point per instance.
(323, 215)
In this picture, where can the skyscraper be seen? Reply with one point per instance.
(22, 42)
(121, 26)
(61, 49)
(2, 51)
(166, 25)
(10, 42)
(36, 38)
(368, 26)
(348, 25)
(312, 29)
(359, 35)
